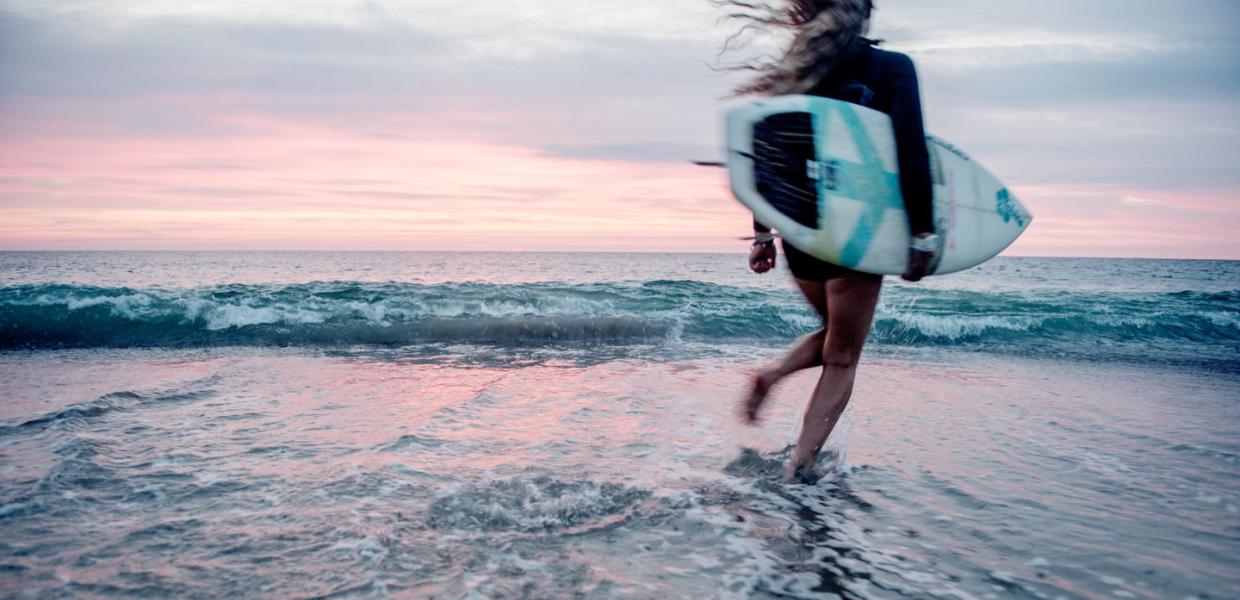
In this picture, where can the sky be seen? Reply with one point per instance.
(567, 125)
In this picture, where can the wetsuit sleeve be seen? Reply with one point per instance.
(760, 228)
(911, 150)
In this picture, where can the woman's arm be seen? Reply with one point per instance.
(910, 132)
(914, 159)
(762, 252)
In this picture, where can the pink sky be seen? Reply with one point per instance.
(281, 184)
(563, 150)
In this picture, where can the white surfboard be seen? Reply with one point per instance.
(836, 191)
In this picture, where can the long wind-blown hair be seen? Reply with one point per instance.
(823, 34)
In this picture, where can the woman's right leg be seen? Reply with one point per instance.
(851, 301)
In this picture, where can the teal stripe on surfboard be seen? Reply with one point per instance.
(867, 181)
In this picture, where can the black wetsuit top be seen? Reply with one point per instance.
(887, 82)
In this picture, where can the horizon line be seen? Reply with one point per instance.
(458, 251)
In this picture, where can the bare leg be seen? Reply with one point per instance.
(851, 301)
(804, 354)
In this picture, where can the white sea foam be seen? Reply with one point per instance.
(955, 327)
(1223, 319)
(228, 316)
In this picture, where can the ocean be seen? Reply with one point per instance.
(522, 425)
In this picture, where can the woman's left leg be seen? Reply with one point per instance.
(805, 353)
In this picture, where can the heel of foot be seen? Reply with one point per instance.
(804, 475)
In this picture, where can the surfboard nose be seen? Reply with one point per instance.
(1010, 208)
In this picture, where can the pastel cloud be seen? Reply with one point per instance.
(556, 124)
(284, 183)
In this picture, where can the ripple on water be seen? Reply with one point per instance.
(537, 504)
(80, 415)
(411, 442)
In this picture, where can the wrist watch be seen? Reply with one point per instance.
(929, 243)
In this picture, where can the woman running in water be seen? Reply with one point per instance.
(830, 56)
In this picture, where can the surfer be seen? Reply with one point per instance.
(830, 56)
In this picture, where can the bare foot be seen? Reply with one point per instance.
(761, 386)
(800, 469)
(802, 475)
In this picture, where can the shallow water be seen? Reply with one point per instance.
(254, 460)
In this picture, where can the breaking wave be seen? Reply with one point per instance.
(655, 312)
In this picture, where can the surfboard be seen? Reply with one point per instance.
(823, 173)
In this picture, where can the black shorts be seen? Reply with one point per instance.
(808, 268)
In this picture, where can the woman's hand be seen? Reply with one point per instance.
(762, 256)
(920, 254)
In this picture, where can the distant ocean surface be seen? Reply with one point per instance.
(549, 425)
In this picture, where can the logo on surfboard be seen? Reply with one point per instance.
(824, 169)
(1007, 208)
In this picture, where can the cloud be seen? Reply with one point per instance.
(365, 104)
(169, 74)
(638, 152)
